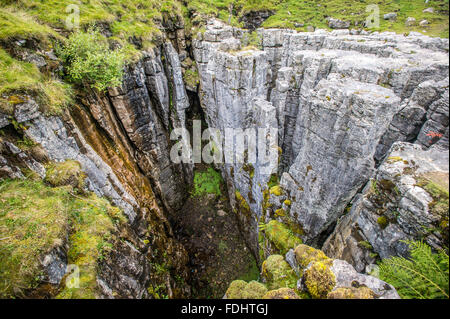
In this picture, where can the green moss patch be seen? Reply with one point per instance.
(276, 190)
(240, 289)
(17, 77)
(319, 279)
(207, 182)
(34, 219)
(305, 255)
(278, 273)
(66, 173)
(281, 236)
(282, 293)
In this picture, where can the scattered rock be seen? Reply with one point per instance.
(407, 198)
(4, 121)
(26, 111)
(424, 23)
(253, 19)
(338, 24)
(221, 213)
(428, 10)
(410, 22)
(390, 16)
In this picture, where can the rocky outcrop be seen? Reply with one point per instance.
(253, 19)
(121, 141)
(306, 272)
(340, 99)
(407, 199)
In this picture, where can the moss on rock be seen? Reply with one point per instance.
(319, 279)
(306, 254)
(65, 173)
(254, 290)
(280, 212)
(383, 222)
(276, 190)
(282, 293)
(281, 236)
(278, 273)
(352, 293)
(239, 289)
(235, 289)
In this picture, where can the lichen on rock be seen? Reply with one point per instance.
(281, 236)
(351, 293)
(305, 255)
(281, 293)
(277, 273)
(319, 279)
(240, 289)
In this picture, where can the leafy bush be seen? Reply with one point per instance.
(423, 276)
(89, 60)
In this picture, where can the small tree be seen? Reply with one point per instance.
(422, 276)
(89, 60)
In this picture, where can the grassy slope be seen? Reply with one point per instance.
(314, 12)
(34, 218)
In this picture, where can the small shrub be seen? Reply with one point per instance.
(89, 60)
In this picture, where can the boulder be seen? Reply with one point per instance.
(338, 24)
(390, 16)
(410, 21)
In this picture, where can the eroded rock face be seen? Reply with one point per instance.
(340, 101)
(405, 201)
(121, 141)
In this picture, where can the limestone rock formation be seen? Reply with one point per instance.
(338, 100)
(406, 200)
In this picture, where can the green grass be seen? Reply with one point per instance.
(17, 77)
(207, 182)
(15, 23)
(314, 13)
(93, 222)
(127, 18)
(35, 218)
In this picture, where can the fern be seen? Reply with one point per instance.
(422, 276)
